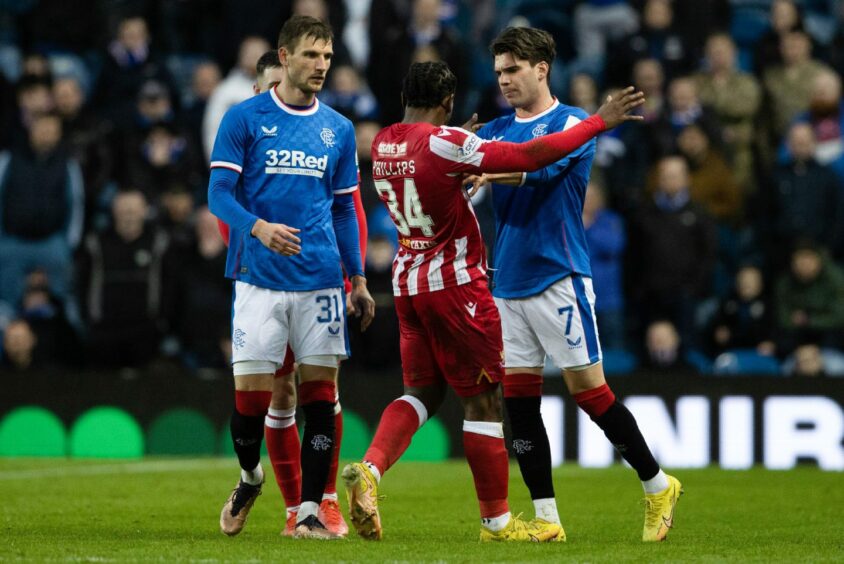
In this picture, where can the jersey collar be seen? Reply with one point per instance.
(553, 107)
(293, 111)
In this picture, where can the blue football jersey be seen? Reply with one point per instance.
(539, 235)
(291, 163)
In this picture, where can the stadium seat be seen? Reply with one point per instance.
(619, 362)
(745, 362)
(700, 361)
(748, 24)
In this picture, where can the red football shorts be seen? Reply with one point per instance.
(452, 335)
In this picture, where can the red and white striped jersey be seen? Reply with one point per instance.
(417, 171)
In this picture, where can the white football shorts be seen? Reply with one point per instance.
(559, 322)
(263, 321)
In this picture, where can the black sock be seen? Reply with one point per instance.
(317, 449)
(530, 443)
(247, 434)
(621, 429)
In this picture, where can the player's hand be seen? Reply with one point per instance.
(472, 125)
(362, 304)
(615, 110)
(473, 183)
(278, 237)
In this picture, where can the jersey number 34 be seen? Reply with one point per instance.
(412, 215)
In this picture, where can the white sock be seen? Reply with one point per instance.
(495, 524)
(546, 509)
(307, 509)
(332, 497)
(253, 478)
(293, 509)
(374, 470)
(656, 484)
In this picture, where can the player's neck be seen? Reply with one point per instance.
(536, 107)
(433, 116)
(293, 96)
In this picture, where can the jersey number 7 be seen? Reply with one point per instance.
(412, 215)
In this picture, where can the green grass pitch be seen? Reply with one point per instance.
(167, 510)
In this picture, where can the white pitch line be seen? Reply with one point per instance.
(143, 467)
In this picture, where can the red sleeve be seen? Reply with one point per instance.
(362, 231)
(466, 152)
(224, 231)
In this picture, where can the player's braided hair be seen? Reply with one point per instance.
(428, 84)
(303, 26)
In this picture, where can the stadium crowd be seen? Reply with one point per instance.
(716, 226)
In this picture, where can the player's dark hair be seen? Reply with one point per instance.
(526, 43)
(428, 84)
(303, 26)
(268, 60)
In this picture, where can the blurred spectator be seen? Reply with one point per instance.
(649, 78)
(785, 17)
(805, 197)
(583, 93)
(420, 36)
(735, 98)
(122, 274)
(57, 339)
(200, 317)
(606, 240)
(129, 63)
(165, 155)
(826, 116)
(206, 78)
(672, 250)
(349, 95)
(808, 362)
(86, 139)
(235, 88)
(684, 108)
(696, 20)
(597, 22)
(41, 210)
(744, 319)
(34, 97)
(712, 183)
(332, 12)
(19, 343)
(176, 213)
(664, 349)
(789, 85)
(36, 65)
(810, 298)
(657, 39)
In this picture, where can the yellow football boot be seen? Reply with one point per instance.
(362, 493)
(518, 530)
(659, 511)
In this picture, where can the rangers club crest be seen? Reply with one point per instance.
(327, 137)
(539, 130)
(321, 442)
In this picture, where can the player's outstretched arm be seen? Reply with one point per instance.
(506, 157)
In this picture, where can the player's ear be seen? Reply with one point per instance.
(282, 56)
(542, 68)
(448, 103)
(403, 103)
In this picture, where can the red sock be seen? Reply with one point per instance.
(595, 402)
(331, 484)
(398, 424)
(483, 443)
(283, 446)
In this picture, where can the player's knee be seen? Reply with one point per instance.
(485, 406)
(596, 401)
(430, 397)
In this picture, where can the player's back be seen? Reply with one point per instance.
(440, 241)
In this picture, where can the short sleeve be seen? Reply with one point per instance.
(346, 175)
(230, 145)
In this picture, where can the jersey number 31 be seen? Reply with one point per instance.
(412, 215)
